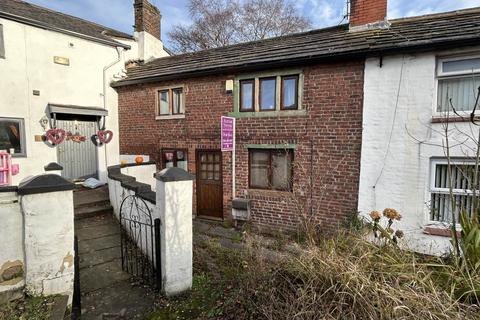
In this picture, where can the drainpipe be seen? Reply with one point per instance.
(119, 58)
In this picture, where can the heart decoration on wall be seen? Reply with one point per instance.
(55, 136)
(105, 136)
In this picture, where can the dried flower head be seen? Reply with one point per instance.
(375, 215)
(399, 234)
(391, 214)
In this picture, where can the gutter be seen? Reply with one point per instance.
(45, 26)
(420, 46)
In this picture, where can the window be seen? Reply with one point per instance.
(174, 158)
(289, 93)
(458, 80)
(280, 92)
(462, 181)
(247, 96)
(170, 102)
(267, 94)
(271, 169)
(2, 43)
(12, 135)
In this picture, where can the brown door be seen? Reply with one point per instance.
(209, 183)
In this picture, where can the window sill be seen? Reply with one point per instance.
(268, 193)
(173, 116)
(440, 231)
(265, 114)
(455, 118)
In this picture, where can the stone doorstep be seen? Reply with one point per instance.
(60, 304)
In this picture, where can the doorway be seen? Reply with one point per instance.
(209, 184)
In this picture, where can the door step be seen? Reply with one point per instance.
(92, 211)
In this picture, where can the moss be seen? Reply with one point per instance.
(31, 308)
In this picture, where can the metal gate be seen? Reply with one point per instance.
(78, 154)
(140, 241)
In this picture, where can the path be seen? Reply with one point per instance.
(105, 288)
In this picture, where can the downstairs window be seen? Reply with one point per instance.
(12, 135)
(462, 182)
(271, 169)
(174, 158)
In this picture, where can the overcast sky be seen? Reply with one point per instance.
(118, 14)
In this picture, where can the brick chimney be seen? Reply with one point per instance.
(367, 14)
(147, 18)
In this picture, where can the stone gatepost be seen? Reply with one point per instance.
(47, 206)
(174, 192)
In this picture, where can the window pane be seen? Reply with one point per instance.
(164, 105)
(169, 158)
(466, 65)
(246, 95)
(178, 101)
(10, 135)
(259, 167)
(289, 93)
(267, 94)
(462, 91)
(281, 170)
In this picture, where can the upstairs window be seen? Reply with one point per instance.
(247, 95)
(269, 93)
(462, 173)
(170, 102)
(12, 136)
(271, 169)
(458, 80)
(2, 43)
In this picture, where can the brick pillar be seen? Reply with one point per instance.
(367, 11)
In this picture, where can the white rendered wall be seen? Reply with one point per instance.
(398, 142)
(29, 66)
(11, 240)
(149, 47)
(142, 173)
(49, 251)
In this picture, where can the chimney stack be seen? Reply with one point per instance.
(147, 18)
(368, 14)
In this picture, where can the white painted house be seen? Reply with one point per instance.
(403, 159)
(58, 67)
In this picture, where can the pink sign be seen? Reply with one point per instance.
(228, 133)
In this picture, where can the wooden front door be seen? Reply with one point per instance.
(209, 184)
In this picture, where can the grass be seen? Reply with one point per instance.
(29, 308)
(340, 278)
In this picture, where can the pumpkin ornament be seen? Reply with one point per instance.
(139, 160)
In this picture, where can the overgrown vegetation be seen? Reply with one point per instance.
(30, 308)
(345, 277)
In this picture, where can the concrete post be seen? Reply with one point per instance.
(174, 194)
(47, 206)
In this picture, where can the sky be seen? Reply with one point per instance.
(118, 14)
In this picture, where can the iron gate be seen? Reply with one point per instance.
(140, 241)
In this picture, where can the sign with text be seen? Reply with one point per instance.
(228, 133)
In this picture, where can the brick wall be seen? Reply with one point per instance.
(367, 11)
(147, 18)
(328, 139)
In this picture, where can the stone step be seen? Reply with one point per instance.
(91, 211)
(93, 203)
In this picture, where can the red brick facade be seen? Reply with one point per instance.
(367, 11)
(147, 18)
(327, 138)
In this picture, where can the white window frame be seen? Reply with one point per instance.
(440, 75)
(432, 189)
(170, 90)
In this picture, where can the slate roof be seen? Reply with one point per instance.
(31, 14)
(450, 29)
